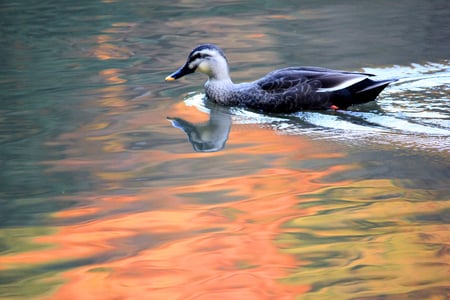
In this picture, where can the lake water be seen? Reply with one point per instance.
(117, 185)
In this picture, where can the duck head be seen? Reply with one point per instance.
(208, 59)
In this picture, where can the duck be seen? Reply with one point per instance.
(286, 90)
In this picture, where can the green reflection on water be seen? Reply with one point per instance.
(356, 246)
(24, 279)
(29, 286)
(14, 240)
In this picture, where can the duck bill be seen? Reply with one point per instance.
(184, 70)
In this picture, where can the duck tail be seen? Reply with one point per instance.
(362, 92)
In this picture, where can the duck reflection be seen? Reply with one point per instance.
(209, 136)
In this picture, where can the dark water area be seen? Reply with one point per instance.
(117, 185)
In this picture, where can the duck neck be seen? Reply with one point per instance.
(219, 71)
(219, 89)
(220, 79)
(219, 86)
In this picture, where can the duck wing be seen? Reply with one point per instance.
(316, 78)
(297, 88)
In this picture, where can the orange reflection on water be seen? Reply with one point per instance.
(199, 238)
(191, 249)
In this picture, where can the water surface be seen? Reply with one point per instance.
(103, 197)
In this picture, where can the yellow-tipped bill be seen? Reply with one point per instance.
(184, 70)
